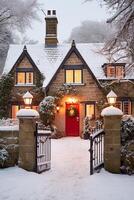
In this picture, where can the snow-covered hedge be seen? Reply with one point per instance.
(47, 109)
(127, 149)
(3, 157)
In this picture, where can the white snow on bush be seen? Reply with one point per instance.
(68, 179)
(109, 111)
(27, 113)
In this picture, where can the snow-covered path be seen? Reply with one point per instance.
(68, 179)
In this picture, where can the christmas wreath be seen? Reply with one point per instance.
(72, 111)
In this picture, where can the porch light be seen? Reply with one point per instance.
(28, 98)
(111, 97)
(72, 100)
(57, 108)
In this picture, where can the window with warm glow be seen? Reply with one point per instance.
(119, 72)
(14, 110)
(24, 78)
(73, 76)
(125, 106)
(21, 78)
(90, 110)
(115, 71)
(110, 71)
(29, 77)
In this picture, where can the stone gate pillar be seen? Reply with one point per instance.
(27, 140)
(112, 141)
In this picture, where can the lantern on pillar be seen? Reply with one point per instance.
(111, 97)
(27, 98)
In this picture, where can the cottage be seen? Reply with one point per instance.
(77, 71)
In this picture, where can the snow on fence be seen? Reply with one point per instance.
(9, 124)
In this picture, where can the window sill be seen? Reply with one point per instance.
(25, 85)
(75, 84)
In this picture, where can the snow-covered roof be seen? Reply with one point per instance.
(48, 59)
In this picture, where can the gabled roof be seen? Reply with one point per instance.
(73, 49)
(20, 58)
(48, 59)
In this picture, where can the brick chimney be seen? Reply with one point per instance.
(51, 28)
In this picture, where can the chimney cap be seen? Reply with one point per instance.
(51, 12)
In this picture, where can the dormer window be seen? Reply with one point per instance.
(24, 78)
(114, 70)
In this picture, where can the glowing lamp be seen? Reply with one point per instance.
(111, 97)
(28, 98)
(57, 108)
(72, 100)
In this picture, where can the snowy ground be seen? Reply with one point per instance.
(68, 179)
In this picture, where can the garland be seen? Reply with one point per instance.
(72, 111)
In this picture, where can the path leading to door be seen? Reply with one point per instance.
(68, 179)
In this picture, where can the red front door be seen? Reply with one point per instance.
(72, 119)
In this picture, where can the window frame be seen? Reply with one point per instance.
(90, 103)
(115, 67)
(25, 82)
(74, 83)
(122, 106)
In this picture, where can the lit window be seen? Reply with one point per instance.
(125, 106)
(21, 78)
(111, 71)
(115, 71)
(90, 110)
(74, 76)
(29, 77)
(24, 78)
(119, 72)
(77, 76)
(69, 76)
(14, 110)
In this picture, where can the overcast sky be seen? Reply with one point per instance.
(70, 14)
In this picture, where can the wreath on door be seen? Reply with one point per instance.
(72, 111)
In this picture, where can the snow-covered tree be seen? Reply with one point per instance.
(91, 31)
(47, 109)
(14, 15)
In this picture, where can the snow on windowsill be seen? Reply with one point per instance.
(26, 85)
(111, 111)
(76, 84)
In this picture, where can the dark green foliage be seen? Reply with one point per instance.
(127, 149)
(6, 85)
(39, 80)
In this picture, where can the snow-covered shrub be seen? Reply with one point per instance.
(127, 149)
(47, 109)
(3, 157)
(87, 128)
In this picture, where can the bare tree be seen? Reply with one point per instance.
(123, 17)
(14, 15)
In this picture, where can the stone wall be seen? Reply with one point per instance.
(9, 141)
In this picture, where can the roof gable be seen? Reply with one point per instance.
(74, 50)
(24, 55)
